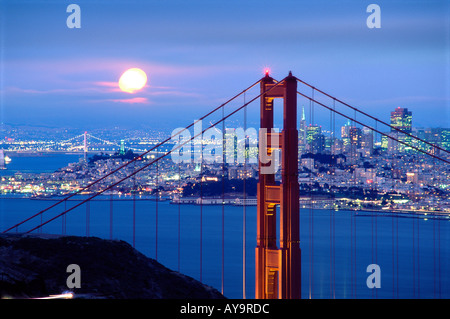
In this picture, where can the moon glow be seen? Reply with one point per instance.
(132, 80)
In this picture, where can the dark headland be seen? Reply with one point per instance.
(36, 266)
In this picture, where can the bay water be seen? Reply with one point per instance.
(207, 242)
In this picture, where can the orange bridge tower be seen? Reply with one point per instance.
(278, 269)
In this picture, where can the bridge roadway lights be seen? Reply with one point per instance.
(277, 269)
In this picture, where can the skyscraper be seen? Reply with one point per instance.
(355, 137)
(302, 132)
(122, 147)
(345, 136)
(401, 119)
(315, 139)
(367, 141)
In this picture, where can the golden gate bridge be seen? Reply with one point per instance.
(278, 257)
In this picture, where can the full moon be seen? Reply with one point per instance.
(132, 80)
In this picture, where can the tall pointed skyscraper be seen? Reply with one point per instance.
(302, 131)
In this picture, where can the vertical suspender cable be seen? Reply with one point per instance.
(372, 215)
(392, 234)
(64, 220)
(376, 214)
(110, 215)
(134, 206)
(88, 208)
(439, 250)
(356, 212)
(414, 255)
(223, 199)
(310, 199)
(244, 205)
(434, 242)
(334, 222)
(352, 212)
(418, 258)
(312, 213)
(352, 215)
(396, 257)
(418, 266)
(311, 209)
(392, 254)
(201, 207)
(439, 257)
(330, 165)
(355, 215)
(179, 216)
(156, 204)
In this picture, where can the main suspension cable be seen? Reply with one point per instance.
(374, 118)
(132, 160)
(152, 162)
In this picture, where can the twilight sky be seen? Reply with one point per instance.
(199, 53)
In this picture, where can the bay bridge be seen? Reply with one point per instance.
(291, 259)
(86, 142)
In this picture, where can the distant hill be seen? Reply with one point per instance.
(36, 266)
